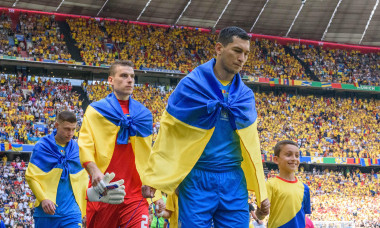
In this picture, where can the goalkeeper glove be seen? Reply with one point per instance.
(115, 191)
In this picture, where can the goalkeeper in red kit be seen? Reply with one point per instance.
(116, 137)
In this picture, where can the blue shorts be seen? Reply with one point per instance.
(218, 197)
(71, 221)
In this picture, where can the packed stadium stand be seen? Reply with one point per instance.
(175, 48)
(29, 107)
(16, 199)
(343, 66)
(32, 35)
(342, 127)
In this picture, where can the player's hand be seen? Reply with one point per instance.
(265, 207)
(263, 210)
(147, 191)
(84, 221)
(97, 182)
(48, 206)
(95, 173)
(160, 206)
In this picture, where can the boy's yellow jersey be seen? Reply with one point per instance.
(289, 202)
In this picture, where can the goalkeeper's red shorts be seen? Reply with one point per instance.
(132, 213)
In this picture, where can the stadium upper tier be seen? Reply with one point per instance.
(177, 48)
(32, 35)
(341, 66)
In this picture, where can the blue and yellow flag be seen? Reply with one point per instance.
(17, 147)
(138, 122)
(47, 166)
(188, 124)
(326, 84)
(104, 123)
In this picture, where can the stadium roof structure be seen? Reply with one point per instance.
(342, 21)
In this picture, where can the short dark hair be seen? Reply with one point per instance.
(66, 116)
(279, 145)
(119, 63)
(226, 35)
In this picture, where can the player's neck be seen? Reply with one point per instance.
(221, 74)
(59, 141)
(121, 97)
(289, 176)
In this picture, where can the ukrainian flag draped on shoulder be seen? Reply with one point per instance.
(47, 166)
(104, 123)
(188, 124)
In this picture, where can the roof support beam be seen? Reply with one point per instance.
(146, 5)
(331, 19)
(295, 18)
(229, 1)
(102, 8)
(59, 6)
(369, 20)
(187, 5)
(15, 3)
(262, 10)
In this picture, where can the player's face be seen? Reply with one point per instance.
(65, 131)
(234, 55)
(123, 81)
(289, 158)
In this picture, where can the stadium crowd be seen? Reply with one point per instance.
(101, 42)
(43, 37)
(177, 48)
(322, 126)
(5, 31)
(172, 48)
(344, 196)
(340, 66)
(16, 199)
(34, 35)
(268, 59)
(28, 106)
